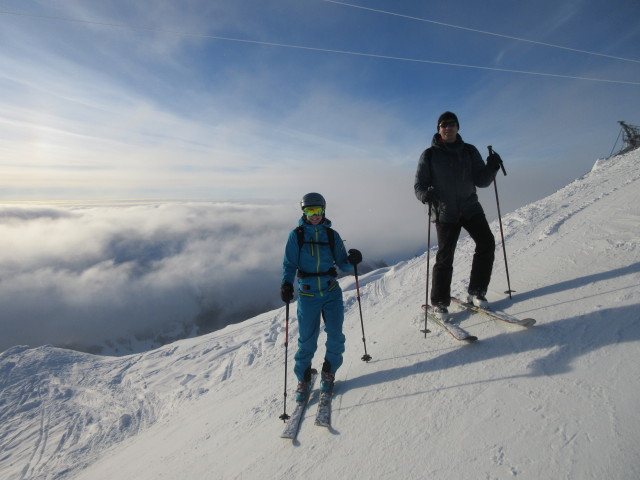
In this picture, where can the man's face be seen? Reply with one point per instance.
(448, 130)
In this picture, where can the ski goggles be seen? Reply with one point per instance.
(312, 211)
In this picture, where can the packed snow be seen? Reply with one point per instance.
(558, 400)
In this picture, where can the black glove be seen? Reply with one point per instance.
(494, 161)
(355, 257)
(286, 292)
(427, 197)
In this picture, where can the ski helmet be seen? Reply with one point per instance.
(313, 200)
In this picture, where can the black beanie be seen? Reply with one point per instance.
(447, 116)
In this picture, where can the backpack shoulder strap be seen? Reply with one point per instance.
(330, 236)
(300, 234)
(332, 239)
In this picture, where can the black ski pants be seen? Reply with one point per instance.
(481, 267)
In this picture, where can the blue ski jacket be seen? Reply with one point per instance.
(314, 259)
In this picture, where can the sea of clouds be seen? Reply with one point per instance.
(115, 279)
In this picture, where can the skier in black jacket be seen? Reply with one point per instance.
(447, 176)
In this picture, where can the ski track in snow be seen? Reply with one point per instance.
(65, 415)
(554, 401)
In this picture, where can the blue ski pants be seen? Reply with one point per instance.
(311, 308)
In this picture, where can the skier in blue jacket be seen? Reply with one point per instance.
(313, 251)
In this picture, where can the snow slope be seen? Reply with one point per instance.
(555, 401)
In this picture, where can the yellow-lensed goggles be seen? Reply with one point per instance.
(311, 211)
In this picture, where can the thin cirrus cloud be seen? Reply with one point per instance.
(116, 100)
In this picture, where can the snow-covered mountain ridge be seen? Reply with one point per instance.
(554, 401)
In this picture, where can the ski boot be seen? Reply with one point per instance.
(326, 382)
(478, 299)
(441, 312)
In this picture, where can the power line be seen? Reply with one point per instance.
(316, 49)
(484, 32)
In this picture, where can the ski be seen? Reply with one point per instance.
(454, 330)
(495, 315)
(323, 417)
(293, 424)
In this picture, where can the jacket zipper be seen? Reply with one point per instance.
(318, 263)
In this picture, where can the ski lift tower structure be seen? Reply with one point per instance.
(630, 138)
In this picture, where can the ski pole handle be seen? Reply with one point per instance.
(501, 163)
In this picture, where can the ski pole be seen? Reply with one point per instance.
(504, 251)
(426, 304)
(366, 357)
(284, 417)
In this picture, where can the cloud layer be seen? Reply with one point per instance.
(76, 276)
(79, 275)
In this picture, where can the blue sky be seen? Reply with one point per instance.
(145, 100)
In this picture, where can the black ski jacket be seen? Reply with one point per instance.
(454, 170)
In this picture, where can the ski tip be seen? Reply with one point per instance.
(528, 322)
(471, 338)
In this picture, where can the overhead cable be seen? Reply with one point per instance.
(484, 32)
(317, 49)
